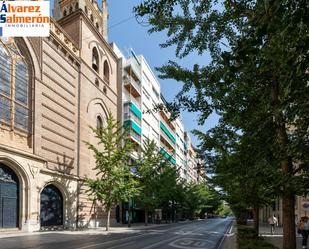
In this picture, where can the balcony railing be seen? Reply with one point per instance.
(129, 80)
(135, 102)
(137, 138)
(131, 116)
(172, 132)
(169, 138)
(168, 156)
(172, 153)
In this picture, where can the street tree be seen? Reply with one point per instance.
(257, 77)
(168, 192)
(148, 166)
(201, 199)
(114, 180)
(243, 169)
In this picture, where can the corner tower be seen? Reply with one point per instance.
(97, 15)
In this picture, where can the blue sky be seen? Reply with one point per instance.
(128, 33)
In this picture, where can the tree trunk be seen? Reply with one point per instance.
(256, 220)
(288, 212)
(146, 217)
(108, 219)
(289, 236)
(129, 212)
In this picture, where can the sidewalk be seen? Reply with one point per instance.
(119, 228)
(276, 239)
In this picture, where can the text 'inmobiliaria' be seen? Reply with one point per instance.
(24, 18)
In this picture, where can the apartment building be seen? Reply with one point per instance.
(52, 89)
(140, 94)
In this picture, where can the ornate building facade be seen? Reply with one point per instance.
(51, 91)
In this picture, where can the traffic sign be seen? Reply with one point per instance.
(306, 206)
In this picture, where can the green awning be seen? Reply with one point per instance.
(135, 110)
(133, 125)
(168, 156)
(167, 132)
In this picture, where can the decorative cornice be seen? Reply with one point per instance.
(64, 37)
(22, 153)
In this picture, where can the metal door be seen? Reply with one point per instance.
(51, 207)
(8, 198)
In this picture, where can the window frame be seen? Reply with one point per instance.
(15, 57)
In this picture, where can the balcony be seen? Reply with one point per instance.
(132, 82)
(135, 138)
(135, 102)
(131, 116)
(167, 121)
(131, 107)
(167, 156)
(167, 135)
(135, 130)
(170, 151)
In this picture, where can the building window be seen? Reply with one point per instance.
(97, 83)
(86, 10)
(106, 71)
(91, 17)
(71, 10)
(95, 60)
(99, 122)
(97, 25)
(64, 13)
(76, 6)
(14, 87)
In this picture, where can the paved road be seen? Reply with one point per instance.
(206, 234)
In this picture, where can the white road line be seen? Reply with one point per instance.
(110, 241)
(121, 245)
(224, 236)
(160, 242)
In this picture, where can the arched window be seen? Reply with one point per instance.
(97, 25)
(99, 122)
(97, 83)
(14, 87)
(65, 13)
(106, 71)
(91, 17)
(86, 10)
(76, 6)
(71, 10)
(95, 59)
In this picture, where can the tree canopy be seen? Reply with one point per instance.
(257, 81)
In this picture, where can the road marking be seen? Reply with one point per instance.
(231, 224)
(191, 243)
(121, 245)
(159, 243)
(111, 241)
(188, 233)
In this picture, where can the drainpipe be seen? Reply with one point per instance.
(78, 148)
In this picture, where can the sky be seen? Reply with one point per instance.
(127, 33)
